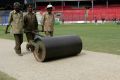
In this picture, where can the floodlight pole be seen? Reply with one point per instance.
(62, 5)
(107, 3)
(78, 4)
(92, 8)
(35, 4)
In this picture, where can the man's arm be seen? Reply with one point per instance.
(42, 22)
(53, 19)
(36, 23)
(9, 22)
(6, 30)
(24, 21)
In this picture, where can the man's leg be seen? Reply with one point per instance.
(46, 33)
(18, 42)
(30, 37)
(49, 33)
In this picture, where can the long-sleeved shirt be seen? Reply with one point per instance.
(30, 22)
(48, 21)
(16, 20)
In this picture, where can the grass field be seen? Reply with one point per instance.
(99, 38)
(4, 76)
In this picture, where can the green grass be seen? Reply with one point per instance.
(100, 38)
(4, 76)
(3, 35)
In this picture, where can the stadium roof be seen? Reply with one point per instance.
(59, 0)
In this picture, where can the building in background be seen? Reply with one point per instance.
(70, 10)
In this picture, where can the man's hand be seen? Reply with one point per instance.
(6, 31)
(42, 29)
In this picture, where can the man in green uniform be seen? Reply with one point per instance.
(30, 25)
(48, 21)
(16, 20)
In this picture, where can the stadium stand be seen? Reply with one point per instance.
(76, 10)
(100, 11)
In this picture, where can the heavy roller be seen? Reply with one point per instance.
(51, 48)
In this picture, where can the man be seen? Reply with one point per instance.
(30, 26)
(48, 21)
(16, 20)
(95, 20)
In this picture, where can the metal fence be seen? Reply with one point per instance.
(4, 17)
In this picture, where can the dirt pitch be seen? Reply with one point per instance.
(86, 66)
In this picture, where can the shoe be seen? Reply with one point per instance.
(30, 48)
(20, 54)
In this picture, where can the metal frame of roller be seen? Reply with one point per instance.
(50, 48)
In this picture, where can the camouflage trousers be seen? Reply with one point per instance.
(30, 37)
(18, 42)
(49, 33)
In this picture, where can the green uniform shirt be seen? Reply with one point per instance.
(16, 20)
(48, 21)
(30, 22)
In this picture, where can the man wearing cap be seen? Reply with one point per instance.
(16, 20)
(48, 21)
